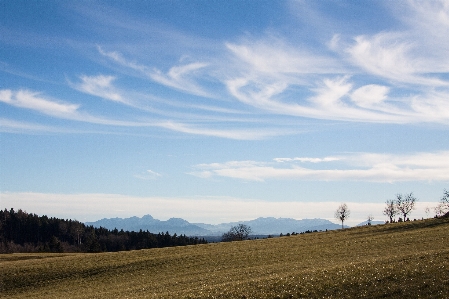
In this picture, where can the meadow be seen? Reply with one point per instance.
(398, 260)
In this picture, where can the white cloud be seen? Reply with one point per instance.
(273, 57)
(238, 134)
(330, 95)
(382, 55)
(414, 54)
(435, 106)
(333, 44)
(100, 86)
(13, 126)
(368, 167)
(331, 101)
(428, 21)
(306, 159)
(56, 108)
(369, 96)
(181, 77)
(33, 100)
(148, 175)
(118, 58)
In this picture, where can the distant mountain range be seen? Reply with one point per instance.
(147, 222)
(259, 226)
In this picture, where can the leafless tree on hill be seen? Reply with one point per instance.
(342, 213)
(237, 233)
(390, 210)
(439, 210)
(405, 204)
(443, 206)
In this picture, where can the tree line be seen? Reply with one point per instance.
(25, 232)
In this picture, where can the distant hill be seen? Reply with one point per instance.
(147, 222)
(372, 223)
(259, 226)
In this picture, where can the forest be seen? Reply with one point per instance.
(26, 232)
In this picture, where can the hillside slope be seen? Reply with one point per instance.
(401, 260)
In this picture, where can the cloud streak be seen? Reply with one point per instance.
(100, 86)
(13, 126)
(32, 100)
(180, 77)
(148, 175)
(370, 167)
(63, 110)
(384, 56)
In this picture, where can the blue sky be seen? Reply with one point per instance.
(217, 111)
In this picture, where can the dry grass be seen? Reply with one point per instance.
(403, 260)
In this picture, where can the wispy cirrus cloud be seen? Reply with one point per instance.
(334, 99)
(60, 109)
(181, 77)
(273, 56)
(392, 56)
(100, 86)
(148, 175)
(344, 98)
(307, 159)
(279, 76)
(118, 58)
(34, 101)
(429, 22)
(397, 77)
(14, 126)
(53, 107)
(411, 68)
(237, 134)
(104, 86)
(414, 55)
(370, 96)
(368, 167)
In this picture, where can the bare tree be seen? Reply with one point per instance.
(405, 204)
(443, 206)
(444, 201)
(439, 210)
(237, 233)
(342, 213)
(390, 210)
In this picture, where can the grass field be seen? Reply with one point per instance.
(401, 260)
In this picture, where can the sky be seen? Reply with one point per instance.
(219, 111)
